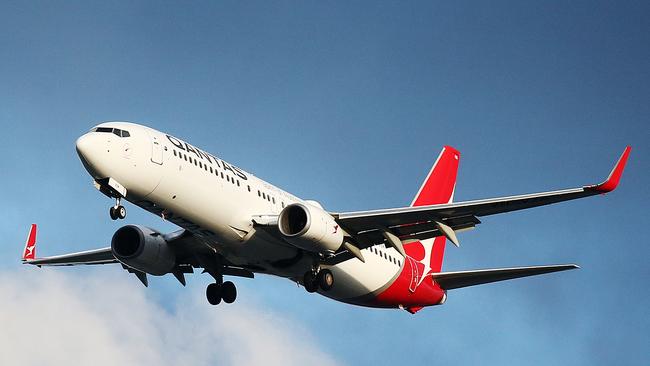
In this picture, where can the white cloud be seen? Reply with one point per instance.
(56, 318)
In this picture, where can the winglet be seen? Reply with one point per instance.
(29, 252)
(614, 177)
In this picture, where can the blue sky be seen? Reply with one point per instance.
(348, 103)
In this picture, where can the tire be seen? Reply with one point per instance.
(325, 279)
(121, 212)
(310, 283)
(213, 293)
(228, 292)
(113, 213)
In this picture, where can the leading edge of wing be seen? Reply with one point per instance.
(95, 256)
(454, 280)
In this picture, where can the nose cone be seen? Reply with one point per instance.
(88, 150)
(83, 146)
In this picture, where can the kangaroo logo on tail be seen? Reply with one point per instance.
(30, 244)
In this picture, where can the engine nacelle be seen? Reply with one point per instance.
(311, 228)
(143, 249)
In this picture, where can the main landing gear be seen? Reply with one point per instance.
(225, 291)
(118, 211)
(323, 279)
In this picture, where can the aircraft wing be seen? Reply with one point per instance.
(453, 280)
(429, 221)
(191, 252)
(96, 256)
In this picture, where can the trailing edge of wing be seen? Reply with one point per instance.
(96, 256)
(452, 280)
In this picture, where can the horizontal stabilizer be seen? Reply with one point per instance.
(452, 280)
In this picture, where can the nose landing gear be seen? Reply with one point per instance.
(118, 211)
(113, 189)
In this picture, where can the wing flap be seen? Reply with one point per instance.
(453, 280)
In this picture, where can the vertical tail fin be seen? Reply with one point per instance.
(30, 244)
(438, 188)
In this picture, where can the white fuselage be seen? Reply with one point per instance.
(218, 202)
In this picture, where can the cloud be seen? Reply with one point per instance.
(52, 318)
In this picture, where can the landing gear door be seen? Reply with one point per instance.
(156, 150)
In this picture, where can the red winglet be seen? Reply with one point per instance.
(30, 245)
(615, 176)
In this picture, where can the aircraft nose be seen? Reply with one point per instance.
(88, 149)
(84, 146)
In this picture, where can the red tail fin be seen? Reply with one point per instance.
(438, 188)
(439, 185)
(30, 244)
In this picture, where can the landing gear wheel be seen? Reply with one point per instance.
(310, 283)
(120, 212)
(113, 213)
(325, 279)
(213, 293)
(228, 292)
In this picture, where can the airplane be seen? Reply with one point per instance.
(237, 225)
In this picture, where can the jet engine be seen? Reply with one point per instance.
(311, 228)
(143, 249)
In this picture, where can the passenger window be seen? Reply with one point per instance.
(237, 182)
(185, 157)
(210, 170)
(249, 188)
(258, 193)
(273, 200)
(200, 164)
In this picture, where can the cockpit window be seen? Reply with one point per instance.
(116, 131)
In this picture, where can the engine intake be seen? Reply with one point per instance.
(143, 249)
(310, 228)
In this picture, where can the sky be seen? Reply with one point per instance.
(348, 103)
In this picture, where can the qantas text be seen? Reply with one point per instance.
(182, 145)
